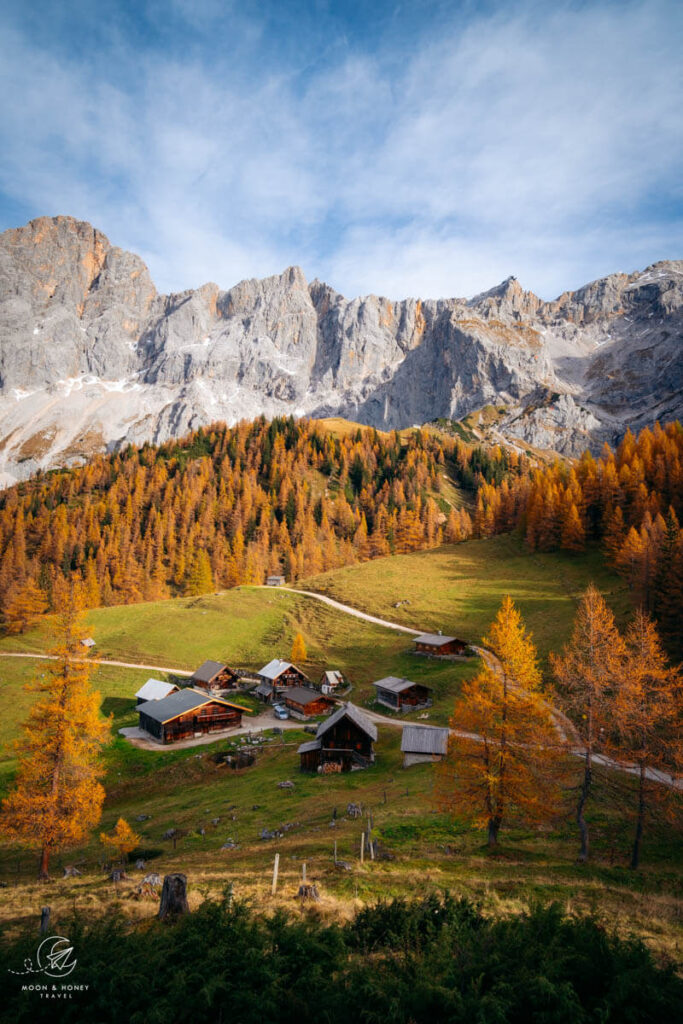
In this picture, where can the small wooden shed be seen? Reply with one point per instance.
(423, 743)
(331, 681)
(436, 645)
(275, 581)
(214, 675)
(402, 694)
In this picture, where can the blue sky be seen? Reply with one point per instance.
(412, 148)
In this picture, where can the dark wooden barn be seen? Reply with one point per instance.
(214, 675)
(439, 646)
(186, 714)
(402, 694)
(346, 739)
(304, 702)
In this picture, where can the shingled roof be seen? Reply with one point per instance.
(208, 671)
(348, 710)
(304, 695)
(424, 739)
(180, 703)
(394, 684)
(433, 639)
(155, 689)
(275, 668)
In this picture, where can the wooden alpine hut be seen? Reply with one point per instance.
(304, 702)
(402, 694)
(436, 645)
(346, 739)
(423, 743)
(188, 713)
(214, 675)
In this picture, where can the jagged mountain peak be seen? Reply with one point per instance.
(91, 356)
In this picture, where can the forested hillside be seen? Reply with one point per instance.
(630, 500)
(226, 506)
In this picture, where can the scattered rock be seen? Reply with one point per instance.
(142, 817)
(354, 810)
(139, 865)
(119, 875)
(71, 872)
(152, 879)
(285, 785)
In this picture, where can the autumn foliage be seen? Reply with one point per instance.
(229, 506)
(626, 702)
(587, 673)
(630, 500)
(122, 839)
(57, 797)
(299, 652)
(518, 760)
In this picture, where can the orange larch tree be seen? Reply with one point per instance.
(122, 839)
(587, 673)
(648, 723)
(57, 797)
(513, 756)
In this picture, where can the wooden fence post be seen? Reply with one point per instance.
(303, 872)
(44, 920)
(275, 870)
(335, 852)
(362, 846)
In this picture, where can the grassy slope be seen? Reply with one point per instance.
(453, 588)
(459, 589)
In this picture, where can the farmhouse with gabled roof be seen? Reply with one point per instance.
(346, 739)
(188, 713)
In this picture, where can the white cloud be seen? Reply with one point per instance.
(545, 143)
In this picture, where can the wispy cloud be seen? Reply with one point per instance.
(544, 142)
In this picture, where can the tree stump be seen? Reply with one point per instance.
(307, 891)
(173, 897)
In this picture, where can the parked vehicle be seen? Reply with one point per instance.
(281, 712)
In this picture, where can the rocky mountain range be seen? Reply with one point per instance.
(93, 357)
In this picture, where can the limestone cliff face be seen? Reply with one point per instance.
(91, 356)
